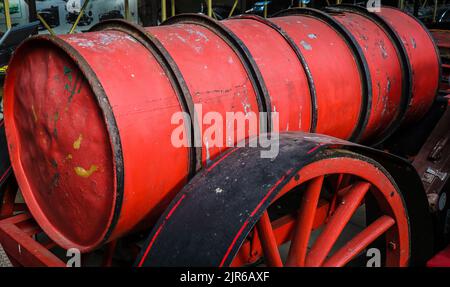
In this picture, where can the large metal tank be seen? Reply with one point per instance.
(89, 117)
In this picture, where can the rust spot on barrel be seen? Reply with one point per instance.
(413, 42)
(82, 172)
(77, 142)
(383, 51)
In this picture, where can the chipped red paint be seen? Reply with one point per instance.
(385, 70)
(200, 54)
(338, 86)
(82, 210)
(423, 56)
(285, 87)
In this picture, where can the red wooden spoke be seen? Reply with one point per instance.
(359, 242)
(339, 180)
(268, 242)
(341, 186)
(345, 180)
(339, 193)
(335, 195)
(304, 225)
(348, 205)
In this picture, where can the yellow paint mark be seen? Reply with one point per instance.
(85, 173)
(77, 143)
(34, 114)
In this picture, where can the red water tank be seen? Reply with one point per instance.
(90, 117)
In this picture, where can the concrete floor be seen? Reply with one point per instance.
(4, 260)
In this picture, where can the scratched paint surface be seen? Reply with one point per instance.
(336, 78)
(143, 102)
(215, 77)
(384, 66)
(53, 108)
(62, 143)
(282, 71)
(420, 51)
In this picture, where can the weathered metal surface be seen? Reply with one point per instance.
(187, 234)
(83, 170)
(170, 68)
(216, 47)
(405, 65)
(221, 72)
(299, 113)
(90, 137)
(316, 34)
(384, 65)
(423, 56)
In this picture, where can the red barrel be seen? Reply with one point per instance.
(75, 134)
(216, 74)
(296, 113)
(91, 135)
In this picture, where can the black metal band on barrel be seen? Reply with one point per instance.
(363, 67)
(173, 73)
(105, 106)
(241, 51)
(297, 51)
(404, 63)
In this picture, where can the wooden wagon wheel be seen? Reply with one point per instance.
(321, 200)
